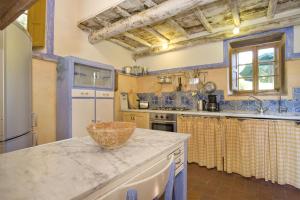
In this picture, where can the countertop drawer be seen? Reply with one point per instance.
(178, 158)
(83, 93)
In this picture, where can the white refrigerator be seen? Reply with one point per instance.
(15, 88)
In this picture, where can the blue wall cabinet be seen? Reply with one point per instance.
(85, 93)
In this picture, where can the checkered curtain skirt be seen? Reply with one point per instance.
(268, 149)
(204, 146)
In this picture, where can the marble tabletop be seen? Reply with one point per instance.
(238, 114)
(76, 167)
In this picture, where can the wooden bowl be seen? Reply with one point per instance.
(111, 135)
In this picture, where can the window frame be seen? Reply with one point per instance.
(279, 60)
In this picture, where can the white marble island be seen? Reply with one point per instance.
(78, 169)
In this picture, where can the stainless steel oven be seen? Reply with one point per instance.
(163, 122)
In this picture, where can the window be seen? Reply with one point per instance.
(22, 19)
(256, 68)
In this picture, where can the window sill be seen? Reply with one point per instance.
(266, 93)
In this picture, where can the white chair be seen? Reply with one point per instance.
(149, 185)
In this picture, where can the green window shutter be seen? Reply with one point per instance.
(37, 23)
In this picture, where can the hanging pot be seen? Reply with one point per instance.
(210, 87)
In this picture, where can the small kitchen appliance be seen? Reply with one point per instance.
(124, 101)
(212, 104)
(201, 105)
(143, 104)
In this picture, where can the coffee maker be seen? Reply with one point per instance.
(212, 105)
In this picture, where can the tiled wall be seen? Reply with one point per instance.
(189, 100)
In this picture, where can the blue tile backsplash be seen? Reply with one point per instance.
(189, 100)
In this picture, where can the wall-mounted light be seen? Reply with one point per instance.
(165, 46)
(236, 30)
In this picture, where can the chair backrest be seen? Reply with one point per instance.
(148, 185)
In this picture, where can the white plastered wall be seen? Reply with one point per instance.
(198, 55)
(70, 40)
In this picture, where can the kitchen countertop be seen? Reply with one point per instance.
(239, 114)
(77, 167)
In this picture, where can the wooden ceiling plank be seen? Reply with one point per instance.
(126, 14)
(156, 34)
(150, 16)
(102, 22)
(135, 38)
(201, 17)
(8, 16)
(122, 12)
(123, 44)
(272, 8)
(253, 26)
(150, 3)
(229, 27)
(234, 7)
(178, 28)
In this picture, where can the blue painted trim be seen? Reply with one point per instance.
(89, 63)
(290, 53)
(50, 27)
(44, 56)
(65, 80)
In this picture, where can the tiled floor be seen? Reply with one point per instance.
(209, 184)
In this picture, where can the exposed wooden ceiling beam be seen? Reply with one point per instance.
(102, 22)
(152, 15)
(282, 15)
(126, 14)
(84, 28)
(177, 27)
(11, 10)
(156, 34)
(249, 27)
(123, 44)
(234, 7)
(201, 17)
(149, 3)
(135, 38)
(173, 23)
(122, 12)
(272, 8)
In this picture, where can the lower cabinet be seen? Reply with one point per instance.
(141, 119)
(115, 189)
(262, 148)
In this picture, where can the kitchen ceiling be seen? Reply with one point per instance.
(149, 27)
(11, 9)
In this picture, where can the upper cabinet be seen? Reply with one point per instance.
(36, 23)
(86, 76)
(83, 74)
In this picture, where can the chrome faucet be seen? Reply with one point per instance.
(259, 109)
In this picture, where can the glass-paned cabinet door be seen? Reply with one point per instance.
(86, 76)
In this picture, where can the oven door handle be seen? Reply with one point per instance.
(164, 122)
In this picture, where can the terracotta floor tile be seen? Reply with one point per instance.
(210, 184)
